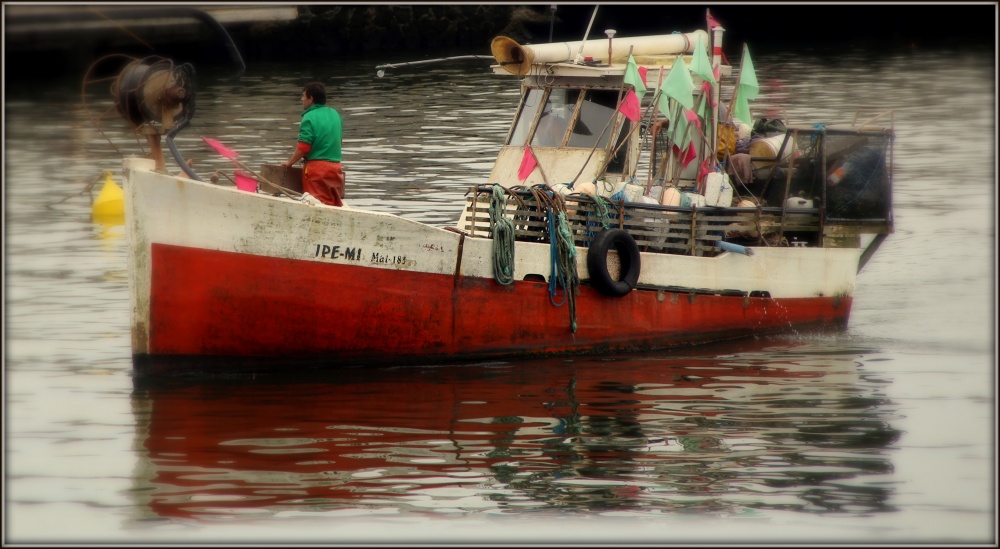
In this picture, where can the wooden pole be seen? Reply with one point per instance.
(652, 105)
(156, 149)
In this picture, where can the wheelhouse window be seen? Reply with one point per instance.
(557, 114)
(584, 113)
(532, 102)
(597, 108)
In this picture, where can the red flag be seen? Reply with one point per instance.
(630, 106)
(687, 156)
(705, 169)
(712, 23)
(642, 73)
(528, 164)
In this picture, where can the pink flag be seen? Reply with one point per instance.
(692, 118)
(712, 23)
(220, 148)
(630, 106)
(528, 164)
(642, 73)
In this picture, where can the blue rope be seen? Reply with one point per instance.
(821, 129)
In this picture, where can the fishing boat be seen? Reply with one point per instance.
(633, 205)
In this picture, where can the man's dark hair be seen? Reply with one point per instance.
(317, 91)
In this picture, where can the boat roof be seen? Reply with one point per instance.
(604, 70)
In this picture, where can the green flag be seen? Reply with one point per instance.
(663, 104)
(703, 111)
(741, 109)
(700, 65)
(678, 84)
(680, 134)
(748, 78)
(633, 77)
(748, 89)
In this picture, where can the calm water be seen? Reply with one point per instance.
(882, 433)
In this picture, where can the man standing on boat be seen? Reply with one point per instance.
(320, 138)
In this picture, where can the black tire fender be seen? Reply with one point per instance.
(597, 262)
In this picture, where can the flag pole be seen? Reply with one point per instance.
(671, 165)
(712, 145)
(732, 102)
(652, 104)
(672, 161)
(716, 45)
(541, 171)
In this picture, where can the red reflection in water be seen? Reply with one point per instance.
(365, 437)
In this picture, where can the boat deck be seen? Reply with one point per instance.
(663, 229)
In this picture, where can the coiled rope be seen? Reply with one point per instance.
(502, 231)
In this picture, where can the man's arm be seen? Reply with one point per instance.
(301, 149)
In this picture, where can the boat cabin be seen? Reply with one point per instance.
(803, 186)
(568, 113)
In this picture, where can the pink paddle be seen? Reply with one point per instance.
(220, 148)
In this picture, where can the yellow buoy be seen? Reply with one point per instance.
(109, 207)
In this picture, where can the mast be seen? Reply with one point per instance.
(717, 33)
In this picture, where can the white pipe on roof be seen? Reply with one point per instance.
(517, 59)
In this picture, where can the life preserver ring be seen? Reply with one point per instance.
(628, 256)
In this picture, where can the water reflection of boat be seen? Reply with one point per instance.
(535, 265)
(772, 427)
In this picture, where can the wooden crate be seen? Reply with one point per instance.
(289, 178)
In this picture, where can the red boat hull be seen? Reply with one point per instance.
(205, 302)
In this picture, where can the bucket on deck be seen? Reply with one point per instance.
(245, 182)
(764, 151)
(798, 202)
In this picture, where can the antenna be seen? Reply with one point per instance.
(552, 21)
(579, 54)
(611, 34)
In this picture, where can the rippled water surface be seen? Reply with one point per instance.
(880, 433)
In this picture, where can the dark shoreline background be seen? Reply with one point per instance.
(410, 32)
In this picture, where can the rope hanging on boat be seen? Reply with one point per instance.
(502, 231)
(563, 254)
(601, 212)
(601, 209)
(562, 250)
